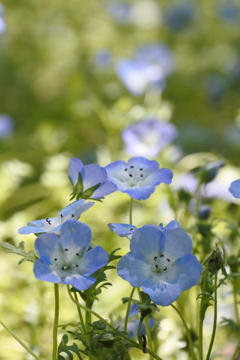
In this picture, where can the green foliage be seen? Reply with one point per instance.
(20, 250)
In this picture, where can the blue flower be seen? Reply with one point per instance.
(180, 16)
(148, 69)
(235, 188)
(128, 230)
(89, 181)
(53, 225)
(138, 177)
(2, 21)
(66, 258)
(148, 137)
(6, 122)
(161, 263)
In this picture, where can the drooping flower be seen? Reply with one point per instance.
(53, 225)
(235, 189)
(161, 263)
(66, 258)
(148, 137)
(138, 177)
(128, 230)
(149, 68)
(89, 181)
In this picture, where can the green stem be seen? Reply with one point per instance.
(18, 340)
(79, 313)
(128, 309)
(214, 319)
(88, 321)
(200, 335)
(55, 324)
(236, 352)
(134, 343)
(131, 211)
(187, 331)
(235, 294)
(139, 331)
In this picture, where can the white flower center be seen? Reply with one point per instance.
(160, 264)
(133, 176)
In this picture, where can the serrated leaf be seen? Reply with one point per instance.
(20, 250)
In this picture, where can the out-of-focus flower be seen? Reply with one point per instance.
(208, 172)
(148, 69)
(235, 188)
(180, 16)
(138, 177)
(148, 137)
(66, 258)
(161, 263)
(128, 230)
(103, 58)
(215, 87)
(89, 181)
(53, 225)
(204, 212)
(230, 13)
(2, 21)
(120, 11)
(6, 122)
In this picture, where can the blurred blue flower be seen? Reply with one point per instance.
(53, 225)
(89, 181)
(204, 212)
(148, 69)
(138, 177)
(235, 188)
(180, 16)
(148, 137)
(161, 263)
(66, 258)
(6, 122)
(2, 21)
(230, 12)
(128, 230)
(120, 11)
(215, 86)
(103, 58)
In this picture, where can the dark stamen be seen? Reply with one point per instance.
(48, 221)
(76, 265)
(131, 167)
(161, 255)
(156, 266)
(165, 268)
(77, 254)
(61, 215)
(72, 215)
(141, 175)
(155, 258)
(125, 169)
(131, 229)
(65, 249)
(64, 267)
(140, 169)
(130, 175)
(168, 260)
(55, 259)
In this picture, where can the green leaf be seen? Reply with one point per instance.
(87, 193)
(20, 250)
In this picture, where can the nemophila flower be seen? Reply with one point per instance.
(128, 230)
(89, 181)
(2, 21)
(161, 263)
(235, 188)
(53, 225)
(149, 68)
(6, 123)
(66, 258)
(138, 177)
(148, 137)
(180, 16)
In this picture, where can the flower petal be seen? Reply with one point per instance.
(43, 271)
(122, 229)
(132, 270)
(158, 177)
(161, 293)
(93, 174)
(140, 193)
(175, 244)
(115, 173)
(74, 210)
(47, 246)
(94, 259)
(104, 189)
(79, 282)
(76, 237)
(39, 226)
(74, 168)
(185, 272)
(171, 225)
(235, 188)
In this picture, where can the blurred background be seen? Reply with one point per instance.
(102, 81)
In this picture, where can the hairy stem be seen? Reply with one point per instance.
(128, 309)
(55, 323)
(214, 319)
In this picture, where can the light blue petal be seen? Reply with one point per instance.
(104, 189)
(140, 193)
(74, 168)
(25, 230)
(93, 175)
(79, 282)
(148, 166)
(172, 225)
(175, 244)
(161, 293)
(145, 242)
(185, 272)
(235, 189)
(132, 270)
(43, 271)
(115, 173)
(158, 177)
(74, 210)
(40, 226)
(122, 229)
(47, 246)
(76, 237)
(94, 259)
